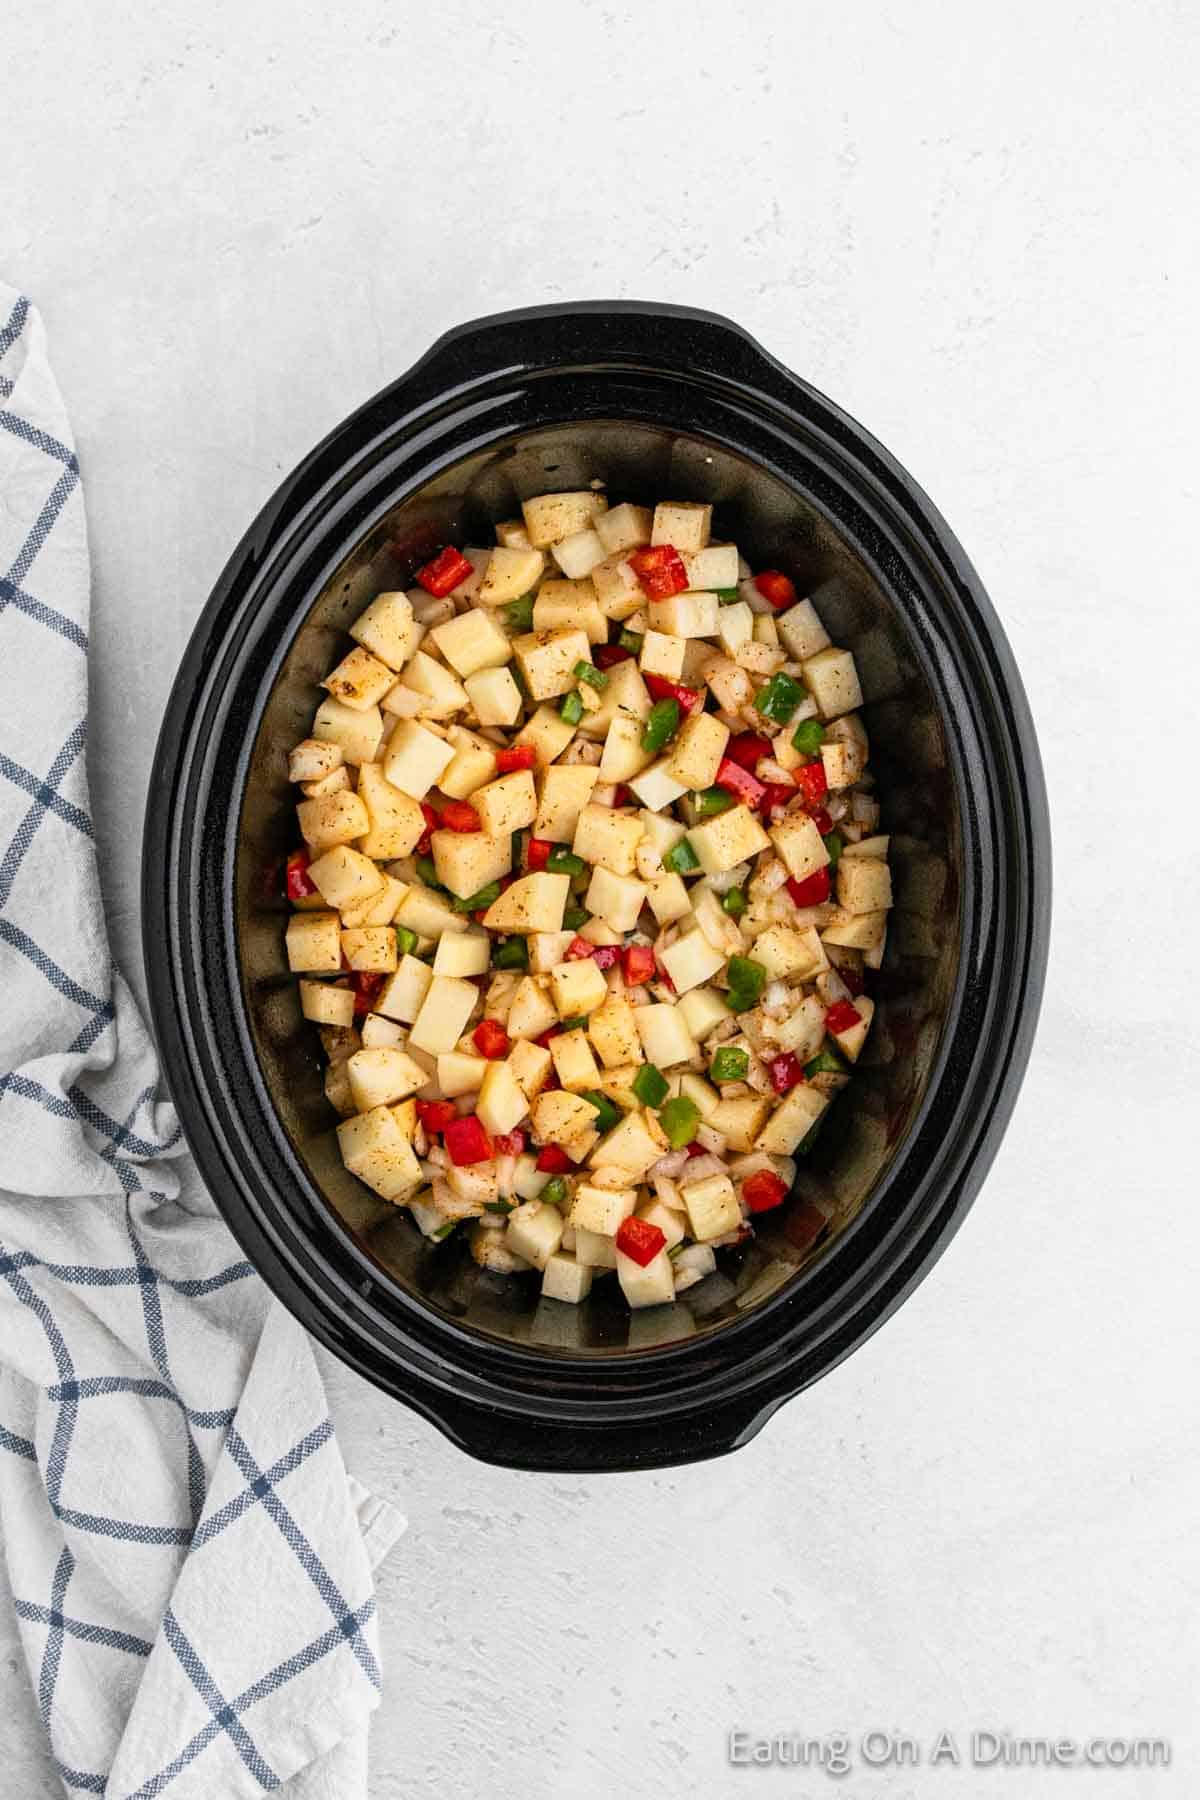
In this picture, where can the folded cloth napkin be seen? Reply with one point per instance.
(191, 1564)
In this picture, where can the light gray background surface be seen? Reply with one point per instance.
(976, 229)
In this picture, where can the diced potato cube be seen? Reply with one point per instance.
(508, 804)
(388, 630)
(458, 1073)
(662, 655)
(511, 571)
(792, 1120)
(850, 1041)
(566, 1279)
(312, 760)
(629, 1146)
(360, 680)
(617, 899)
(872, 846)
(396, 819)
(853, 931)
(512, 534)
(547, 661)
(468, 860)
(371, 949)
(495, 697)
(618, 590)
(664, 1034)
(786, 953)
(473, 763)
(314, 943)
(800, 845)
(608, 838)
(624, 527)
(740, 1120)
(703, 1010)
(414, 758)
(594, 1249)
(463, 954)
(382, 1076)
(337, 819)
(345, 877)
(614, 1034)
(651, 1284)
(656, 787)
(442, 693)
(570, 606)
(578, 988)
(502, 1103)
(551, 517)
(802, 631)
(574, 1063)
(803, 1031)
(691, 961)
(375, 1149)
(669, 898)
(472, 641)
(695, 1088)
(695, 756)
(532, 1012)
(546, 948)
(443, 1016)
(578, 554)
(601, 1210)
(716, 566)
(326, 1004)
(626, 693)
(532, 903)
(359, 734)
(338, 782)
(832, 679)
(564, 792)
(864, 884)
(548, 732)
(531, 1064)
(731, 838)
(712, 1207)
(428, 915)
(735, 626)
(672, 1224)
(534, 1232)
(687, 615)
(560, 1118)
(843, 765)
(687, 524)
(403, 996)
(623, 756)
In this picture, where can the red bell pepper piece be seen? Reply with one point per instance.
(812, 891)
(509, 1143)
(457, 815)
(639, 1240)
(659, 568)
(842, 1016)
(299, 887)
(553, 1160)
(639, 964)
(763, 1190)
(519, 756)
(578, 948)
(822, 821)
(447, 569)
(775, 794)
(694, 1149)
(810, 779)
(775, 587)
(659, 688)
(786, 1072)
(620, 795)
(737, 780)
(366, 991)
(854, 979)
(435, 1115)
(543, 1042)
(432, 822)
(490, 1039)
(537, 853)
(748, 749)
(607, 656)
(467, 1142)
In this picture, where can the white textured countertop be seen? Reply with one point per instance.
(978, 234)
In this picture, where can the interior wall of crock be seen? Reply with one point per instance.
(775, 526)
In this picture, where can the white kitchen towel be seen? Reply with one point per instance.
(191, 1564)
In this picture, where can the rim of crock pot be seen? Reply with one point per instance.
(830, 1297)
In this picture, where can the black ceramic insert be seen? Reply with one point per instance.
(658, 402)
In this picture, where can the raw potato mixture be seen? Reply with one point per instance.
(591, 887)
